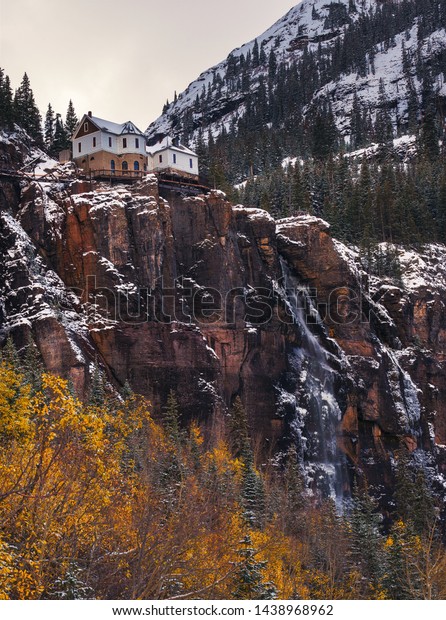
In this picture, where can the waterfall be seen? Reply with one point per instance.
(317, 413)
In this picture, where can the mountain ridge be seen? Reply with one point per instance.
(313, 33)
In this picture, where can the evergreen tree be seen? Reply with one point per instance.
(32, 365)
(61, 140)
(383, 125)
(441, 209)
(171, 418)
(366, 549)
(9, 354)
(49, 127)
(357, 124)
(126, 390)
(294, 487)
(297, 189)
(412, 549)
(272, 65)
(71, 587)
(6, 102)
(395, 578)
(414, 500)
(429, 132)
(324, 133)
(71, 120)
(252, 495)
(248, 580)
(255, 54)
(412, 108)
(97, 387)
(238, 430)
(26, 112)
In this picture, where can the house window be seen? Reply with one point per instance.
(124, 143)
(161, 159)
(137, 143)
(112, 165)
(94, 142)
(125, 165)
(79, 148)
(136, 165)
(174, 158)
(191, 163)
(85, 126)
(109, 142)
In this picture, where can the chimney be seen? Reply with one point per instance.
(89, 114)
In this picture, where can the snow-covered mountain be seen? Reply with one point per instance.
(375, 50)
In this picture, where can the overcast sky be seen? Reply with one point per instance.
(120, 59)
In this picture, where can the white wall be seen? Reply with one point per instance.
(131, 148)
(102, 143)
(86, 143)
(182, 163)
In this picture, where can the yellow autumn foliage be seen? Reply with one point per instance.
(99, 501)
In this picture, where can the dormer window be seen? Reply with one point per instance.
(85, 126)
(79, 147)
(137, 143)
(174, 158)
(161, 159)
(94, 142)
(124, 143)
(191, 163)
(109, 142)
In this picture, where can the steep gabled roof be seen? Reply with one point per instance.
(116, 128)
(168, 144)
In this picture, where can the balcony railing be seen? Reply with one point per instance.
(116, 174)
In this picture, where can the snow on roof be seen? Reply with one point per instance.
(167, 143)
(115, 128)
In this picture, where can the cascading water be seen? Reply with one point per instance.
(317, 413)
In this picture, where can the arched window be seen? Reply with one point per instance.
(125, 165)
(136, 165)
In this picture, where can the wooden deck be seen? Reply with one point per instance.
(167, 182)
(120, 176)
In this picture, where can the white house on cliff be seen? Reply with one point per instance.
(172, 156)
(104, 148)
(100, 145)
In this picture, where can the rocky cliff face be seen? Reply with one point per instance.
(214, 301)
